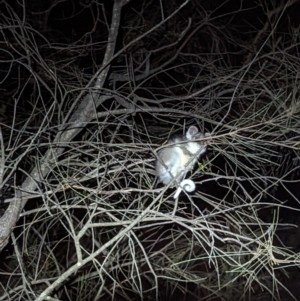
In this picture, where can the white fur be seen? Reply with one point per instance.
(179, 157)
(188, 185)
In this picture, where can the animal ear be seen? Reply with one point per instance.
(191, 132)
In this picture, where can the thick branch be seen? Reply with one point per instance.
(84, 113)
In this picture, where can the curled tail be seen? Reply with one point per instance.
(187, 185)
